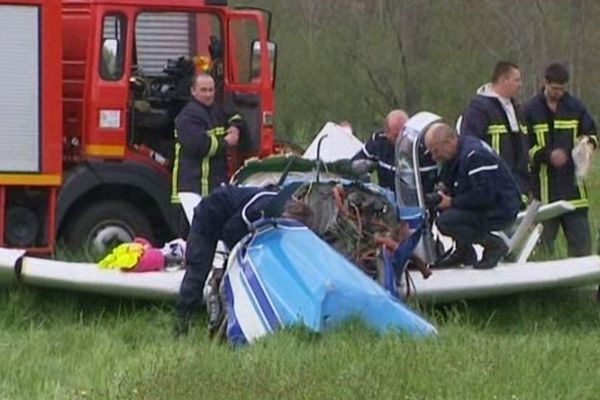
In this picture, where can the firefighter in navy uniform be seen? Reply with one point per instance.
(204, 133)
(556, 120)
(226, 214)
(482, 196)
(494, 117)
(381, 148)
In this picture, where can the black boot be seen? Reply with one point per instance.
(494, 249)
(464, 254)
(182, 327)
(183, 321)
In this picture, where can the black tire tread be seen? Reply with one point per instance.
(83, 222)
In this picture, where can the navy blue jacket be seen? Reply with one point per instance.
(550, 131)
(379, 148)
(482, 182)
(486, 120)
(201, 151)
(226, 213)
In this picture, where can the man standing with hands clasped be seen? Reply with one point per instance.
(557, 121)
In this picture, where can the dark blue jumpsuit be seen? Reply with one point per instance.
(485, 195)
(378, 148)
(223, 215)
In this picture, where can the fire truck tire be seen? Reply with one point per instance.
(101, 226)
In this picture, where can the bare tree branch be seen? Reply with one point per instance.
(576, 36)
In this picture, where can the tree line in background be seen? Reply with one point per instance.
(355, 60)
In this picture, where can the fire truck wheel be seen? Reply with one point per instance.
(102, 226)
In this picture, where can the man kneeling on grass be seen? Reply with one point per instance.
(482, 196)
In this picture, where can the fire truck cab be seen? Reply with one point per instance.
(91, 91)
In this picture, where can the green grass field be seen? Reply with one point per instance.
(65, 346)
(57, 345)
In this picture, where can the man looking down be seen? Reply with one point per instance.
(226, 214)
(381, 147)
(482, 196)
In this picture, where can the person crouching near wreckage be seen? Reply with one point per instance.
(481, 197)
(227, 214)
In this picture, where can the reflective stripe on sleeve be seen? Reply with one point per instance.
(483, 168)
(175, 176)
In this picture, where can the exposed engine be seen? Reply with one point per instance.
(156, 101)
(351, 218)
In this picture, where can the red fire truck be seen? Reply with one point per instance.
(90, 90)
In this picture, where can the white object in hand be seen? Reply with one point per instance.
(582, 157)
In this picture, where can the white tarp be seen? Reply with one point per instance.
(339, 143)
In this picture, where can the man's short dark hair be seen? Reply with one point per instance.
(556, 73)
(502, 69)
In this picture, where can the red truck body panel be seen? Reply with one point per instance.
(87, 136)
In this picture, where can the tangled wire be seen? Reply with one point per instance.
(353, 220)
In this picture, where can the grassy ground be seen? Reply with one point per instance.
(64, 346)
(56, 345)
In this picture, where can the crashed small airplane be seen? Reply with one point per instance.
(414, 179)
(359, 260)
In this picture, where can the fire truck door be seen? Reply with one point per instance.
(248, 77)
